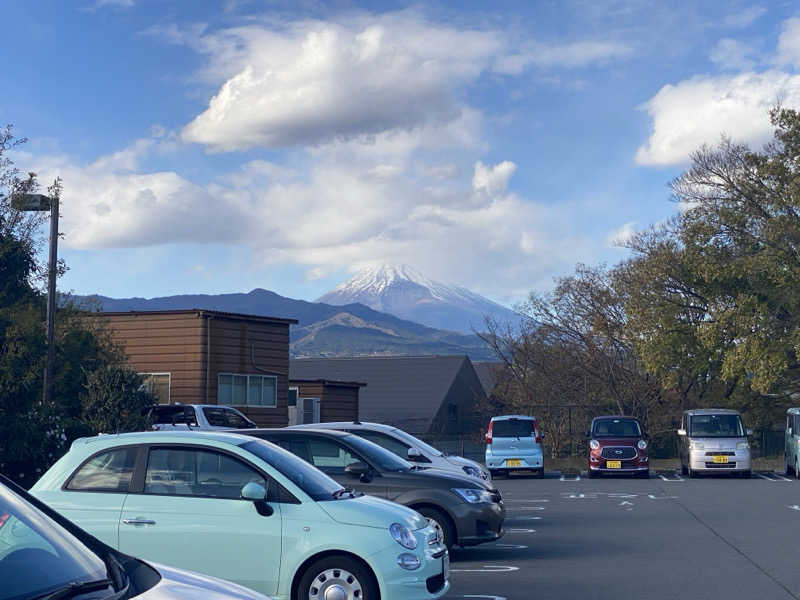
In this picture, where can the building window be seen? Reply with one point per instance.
(157, 384)
(452, 412)
(293, 391)
(247, 390)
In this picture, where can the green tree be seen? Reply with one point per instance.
(92, 385)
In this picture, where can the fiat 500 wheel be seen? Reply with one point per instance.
(337, 578)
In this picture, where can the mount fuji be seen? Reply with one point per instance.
(404, 292)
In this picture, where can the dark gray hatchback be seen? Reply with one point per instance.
(467, 511)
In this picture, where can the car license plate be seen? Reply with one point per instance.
(613, 464)
(514, 462)
(446, 566)
(720, 460)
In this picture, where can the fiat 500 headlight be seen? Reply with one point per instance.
(403, 536)
(472, 495)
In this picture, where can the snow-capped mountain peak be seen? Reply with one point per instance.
(403, 291)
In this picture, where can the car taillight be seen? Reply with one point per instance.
(537, 436)
(489, 433)
(3, 518)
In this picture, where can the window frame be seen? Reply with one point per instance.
(131, 486)
(169, 383)
(274, 378)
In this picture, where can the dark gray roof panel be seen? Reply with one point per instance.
(487, 373)
(404, 391)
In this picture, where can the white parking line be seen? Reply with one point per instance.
(526, 501)
(525, 518)
(487, 597)
(572, 478)
(665, 478)
(514, 530)
(487, 569)
(771, 476)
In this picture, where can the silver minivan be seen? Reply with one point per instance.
(713, 440)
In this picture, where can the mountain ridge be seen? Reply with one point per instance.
(406, 293)
(322, 329)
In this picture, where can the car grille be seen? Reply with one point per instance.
(435, 583)
(625, 452)
(730, 465)
(720, 453)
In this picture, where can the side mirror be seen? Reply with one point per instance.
(588, 434)
(748, 432)
(541, 435)
(258, 494)
(681, 432)
(414, 454)
(254, 491)
(789, 431)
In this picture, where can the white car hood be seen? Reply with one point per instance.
(177, 584)
(460, 461)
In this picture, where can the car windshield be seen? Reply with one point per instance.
(37, 555)
(716, 426)
(380, 457)
(412, 441)
(311, 480)
(515, 428)
(615, 428)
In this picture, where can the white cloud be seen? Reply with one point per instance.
(492, 180)
(335, 216)
(789, 43)
(318, 82)
(621, 236)
(572, 55)
(744, 17)
(732, 55)
(699, 110)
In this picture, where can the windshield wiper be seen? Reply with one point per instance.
(77, 587)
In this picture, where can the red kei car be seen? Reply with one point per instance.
(618, 445)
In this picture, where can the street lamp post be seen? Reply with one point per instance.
(40, 202)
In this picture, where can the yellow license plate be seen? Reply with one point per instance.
(720, 460)
(514, 462)
(613, 464)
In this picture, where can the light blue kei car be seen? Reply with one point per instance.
(245, 510)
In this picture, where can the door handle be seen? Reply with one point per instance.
(138, 521)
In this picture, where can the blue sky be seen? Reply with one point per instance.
(211, 147)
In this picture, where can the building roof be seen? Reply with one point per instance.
(358, 384)
(488, 374)
(201, 312)
(404, 391)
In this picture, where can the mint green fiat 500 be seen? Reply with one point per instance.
(248, 511)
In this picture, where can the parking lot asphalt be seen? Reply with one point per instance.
(659, 538)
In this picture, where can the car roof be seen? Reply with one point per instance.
(615, 417)
(793, 411)
(148, 437)
(290, 430)
(177, 405)
(712, 411)
(509, 417)
(336, 425)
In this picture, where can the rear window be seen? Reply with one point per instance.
(174, 415)
(512, 428)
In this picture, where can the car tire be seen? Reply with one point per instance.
(796, 470)
(593, 474)
(442, 522)
(645, 474)
(747, 474)
(540, 473)
(337, 570)
(691, 473)
(684, 469)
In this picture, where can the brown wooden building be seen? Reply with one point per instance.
(210, 357)
(323, 400)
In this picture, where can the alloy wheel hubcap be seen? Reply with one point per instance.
(335, 584)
